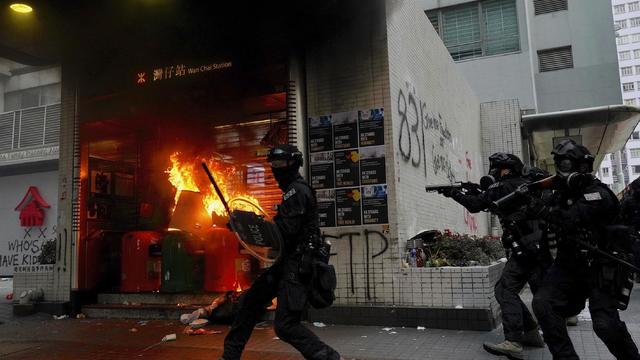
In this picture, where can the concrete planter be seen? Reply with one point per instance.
(445, 298)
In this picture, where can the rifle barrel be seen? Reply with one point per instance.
(608, 256)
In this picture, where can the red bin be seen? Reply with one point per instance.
(223, 262)
(141, 261)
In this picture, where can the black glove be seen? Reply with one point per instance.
(446, 192)
(535, 207)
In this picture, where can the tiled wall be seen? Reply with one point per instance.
(390, 48)
(33, 277)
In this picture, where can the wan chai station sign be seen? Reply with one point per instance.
(177, 71)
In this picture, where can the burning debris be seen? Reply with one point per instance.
(187, 175)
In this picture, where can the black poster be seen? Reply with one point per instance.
(326, 207)
(372, 165)
(347, 168)
(345, 130)
(322, 170)
(320, 133)
(371, 127)
(348, 207)
(374, 204)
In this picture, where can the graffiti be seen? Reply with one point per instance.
(411, 138)
(441, 164)
(369, 236)
(469, 219)
(26, 250)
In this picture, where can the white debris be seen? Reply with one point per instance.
(504, 260)
(459, 307)
(169, 337)
(387, 329)
(143, 322)
(276, 338)
(319, 324)
(392, 332)
(363, 336)
(60, 317)
(421, 328)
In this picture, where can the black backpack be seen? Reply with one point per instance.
(323, 284)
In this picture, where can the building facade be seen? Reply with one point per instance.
(547, 55)
(29, 136)
(622, 167)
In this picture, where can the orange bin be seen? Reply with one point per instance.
(226, 268)
(141, 261)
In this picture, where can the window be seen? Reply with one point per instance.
(626, 71)
(630, 101)
(605, 171)
(32, 97)
(627, 87)
(622, 40)
(624, 55)
(482, 28)
(636, 169)
(549, 6)
(636, 54)
(635, 38)
(634, 22)
(619, 9)
(634, 6)
(613, 158)
(555, 59)
(621, 24)
(635, 135)
(634, 153)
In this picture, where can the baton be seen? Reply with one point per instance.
(215, 186)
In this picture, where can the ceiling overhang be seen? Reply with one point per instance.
(603, 130)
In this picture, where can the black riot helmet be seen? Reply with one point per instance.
(285, 155)
(285, 162)
(570, 157)
(535, 173)
(501, 160)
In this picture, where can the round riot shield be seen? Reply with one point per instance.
(259, 237)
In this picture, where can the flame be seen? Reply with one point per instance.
(188, 175)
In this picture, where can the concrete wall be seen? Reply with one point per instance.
(588, 27)
(436, 125)
(19, 245)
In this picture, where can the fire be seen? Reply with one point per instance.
(188, 175)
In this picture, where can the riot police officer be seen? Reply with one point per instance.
(297, 220)
(583, 207)
(527, 262)
(630, 206)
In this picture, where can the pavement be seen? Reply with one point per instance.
(41, 337)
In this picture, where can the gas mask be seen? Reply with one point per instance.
(284, 176)
(487, 181)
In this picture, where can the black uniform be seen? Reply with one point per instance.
(575, 274)
(297, 219)
(630, 209)
(519, 270)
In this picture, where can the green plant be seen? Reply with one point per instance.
(453, 249)
(48, 253)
